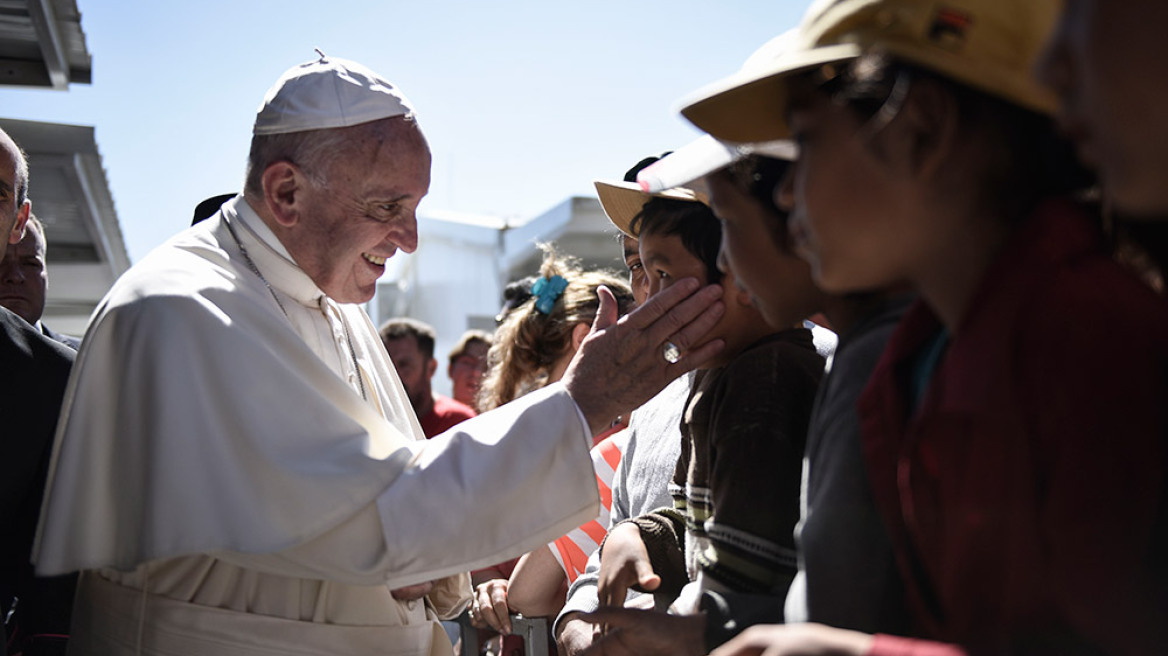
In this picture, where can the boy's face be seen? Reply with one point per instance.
(638, 281)
(778, 282)
(845, 202)
(667, 260)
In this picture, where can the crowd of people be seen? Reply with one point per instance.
(968, 193)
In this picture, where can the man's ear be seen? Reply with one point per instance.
(17, 232)
(927, 128)
(283, 183)
(431, 367)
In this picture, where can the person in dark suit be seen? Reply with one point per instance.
(35, 372)
(24, 280)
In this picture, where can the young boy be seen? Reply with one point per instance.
(736, 486)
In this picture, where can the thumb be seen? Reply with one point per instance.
(608, 313)
(646, 577)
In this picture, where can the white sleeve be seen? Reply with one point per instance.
(489, 489)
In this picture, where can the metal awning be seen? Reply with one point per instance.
(42, 44)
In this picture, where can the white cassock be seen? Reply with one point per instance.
(227, 489)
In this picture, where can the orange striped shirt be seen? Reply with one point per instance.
(572, 550)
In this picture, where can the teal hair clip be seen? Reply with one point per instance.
(546, 291)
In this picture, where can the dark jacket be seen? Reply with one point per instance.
(33, 373)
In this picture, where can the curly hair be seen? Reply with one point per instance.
(529, 343)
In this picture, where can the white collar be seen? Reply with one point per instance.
(269, 254)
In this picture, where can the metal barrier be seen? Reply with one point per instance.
(533, 630)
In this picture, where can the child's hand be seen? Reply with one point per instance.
(489, 607)
(796, 640)
(624, 563)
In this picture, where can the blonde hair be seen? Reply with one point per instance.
(529, 342)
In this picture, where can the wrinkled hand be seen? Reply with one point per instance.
(624, 563)
(634, 632)
(575, 635)
(620, 364)
(796, 640)
(489, 608)
(412, 592)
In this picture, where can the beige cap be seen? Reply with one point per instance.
(328, 93)
(622, 201)
(989, 45)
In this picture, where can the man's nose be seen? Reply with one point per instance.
(405, 237)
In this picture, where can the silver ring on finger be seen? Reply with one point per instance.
(671, 352)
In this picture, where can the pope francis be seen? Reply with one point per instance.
(238, 470)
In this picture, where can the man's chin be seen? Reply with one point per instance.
(18, 307)
(358, 295)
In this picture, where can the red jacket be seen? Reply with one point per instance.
(1025, 497)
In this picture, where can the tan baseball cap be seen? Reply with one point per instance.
(622, 201)
(989, 45)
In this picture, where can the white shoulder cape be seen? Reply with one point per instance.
(196, 420)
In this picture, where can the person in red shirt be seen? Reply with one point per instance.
(467, 365)
(411, 347)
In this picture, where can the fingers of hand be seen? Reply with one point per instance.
(646, 578)
(608, 313)
(752, 642)
(698, 357)
(688, 322)
(498, 595)
(658, 305)
(476, 617)
(618, 592)
(490, 606)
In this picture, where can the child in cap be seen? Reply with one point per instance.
(847, 574)
(736, 484)
(1015, 445)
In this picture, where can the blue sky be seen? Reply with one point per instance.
(524, 103)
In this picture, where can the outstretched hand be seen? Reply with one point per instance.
(633, 632)
(621, 364)
(796, 640)
(624, 563)
(488, 608)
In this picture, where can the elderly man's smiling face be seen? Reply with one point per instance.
(362, 211)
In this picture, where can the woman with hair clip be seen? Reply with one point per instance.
(532, 348)
(1014, 428)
